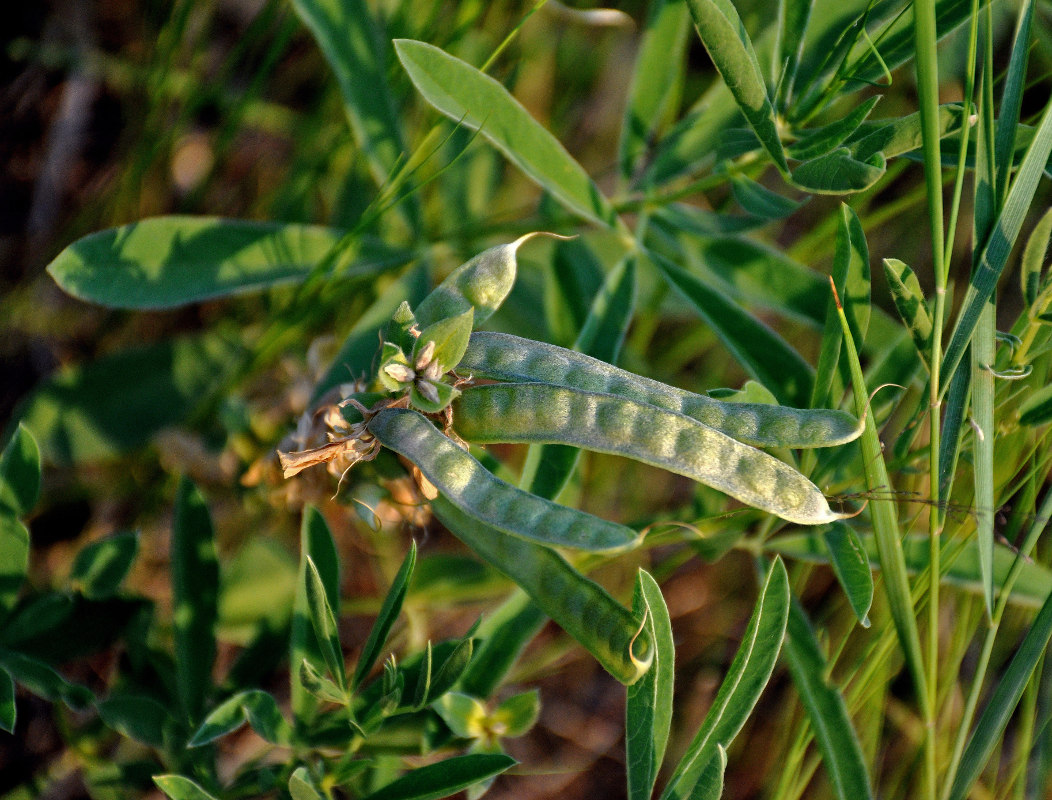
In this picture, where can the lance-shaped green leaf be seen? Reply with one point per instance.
(848, 557)
(839, 172)
(542, 413)
(648, 707)
(764, 354)
(510, 358)
(819, 141)
(910, 303)
(389, 612)
(837, 740)
(896, 137)
(301, 786)
(758, 200)
(444, 778)
(477, 492)
(256, 707)
(710, 782)
(135, 716)
(655, 76)
(165, 262)
(14, 560)
(730, 49)
(19, 473)
(503, 636)
(323, 620)
(471, 98)
(1033, 262)
(999, 245)
(990, 728)
(1029, 591)
(195, 598)
(578, 605)
(793, 19)
(745, 680)
(178, 787)
(43, 681)
(482, 283)
(316, 544)
(100, 566)
(1037, 408)
(349, 35)
(549, 467)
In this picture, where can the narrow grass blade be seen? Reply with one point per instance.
(848, 558)
(581, 607)
(731, 50)
(538, 412)
(353, 43)
(983, 442)
(648, 708)
(836, 737)
(741, 688)
(1037, 408)
(477, 492)
(763, 353)
(510, 358)
(655, 78)
(994, 719)
(1011, 99)
(999, 246)
(195, 591)
(472, 98)
(316, 546)
(165, 262)
(549, 467)
(883, 514)
(910, 303)
(19, 473)
(445, 777)
(1033, 263)
(389, 612)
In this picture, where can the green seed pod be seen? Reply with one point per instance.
(510, 358)
(483, 496)
(583, 608)
(482, 283)
(546, 414)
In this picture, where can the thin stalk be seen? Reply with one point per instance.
(925, 38)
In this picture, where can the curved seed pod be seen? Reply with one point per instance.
(481, 495)
(581, 607)
(481, 283)
(510, 358)
(605, 423)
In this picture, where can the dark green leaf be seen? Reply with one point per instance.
(1037, 408)
(14, 560)
(762, 352)
(648, 708)
(323, 620)
(100, 566)
(256, 707)
(503, 635)
(818, 142)
(136, 716)
(839, 172)
(7, 702)
(195, 591)
(837, 740)
(758, 200)
(19, 473)
(444, 778)
(910, 303)
(851, 565)
(43, 681)
(451, 670)
(389, 612)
